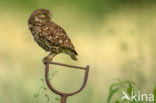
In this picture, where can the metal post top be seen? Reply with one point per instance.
(65, 95)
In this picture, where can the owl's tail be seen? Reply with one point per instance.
(71, 54)
(73, 57)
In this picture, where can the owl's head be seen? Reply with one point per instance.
(41, 15)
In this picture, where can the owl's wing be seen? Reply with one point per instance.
(55, 34)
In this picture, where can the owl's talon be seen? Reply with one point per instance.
(46, 60)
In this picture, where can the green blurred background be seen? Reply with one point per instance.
(115, 37)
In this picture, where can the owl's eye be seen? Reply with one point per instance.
(42, 15)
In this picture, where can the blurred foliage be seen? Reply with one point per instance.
(128, 87)
(95, 7)
(115, 37)
(118, 88)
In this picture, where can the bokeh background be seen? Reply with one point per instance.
(115, 37)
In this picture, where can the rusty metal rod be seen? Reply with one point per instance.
(65, 95)
(66, 65)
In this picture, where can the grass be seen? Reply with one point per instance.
(128, 87)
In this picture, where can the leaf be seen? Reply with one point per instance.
(111, 94)
(45, 88)
(58, 99)
(47, 97)
(131, 83)
(117, 101)
(154, 92)
(36, 95)
(112, 86)
(42, 79)
(129, 89)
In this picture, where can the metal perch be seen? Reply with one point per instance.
(65, 95)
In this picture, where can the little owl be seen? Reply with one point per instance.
(50, 36)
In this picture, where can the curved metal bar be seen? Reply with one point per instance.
(48, 82)
(84, 82)
(65, 95)
(66, 65)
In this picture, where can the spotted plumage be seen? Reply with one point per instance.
(50, 36)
